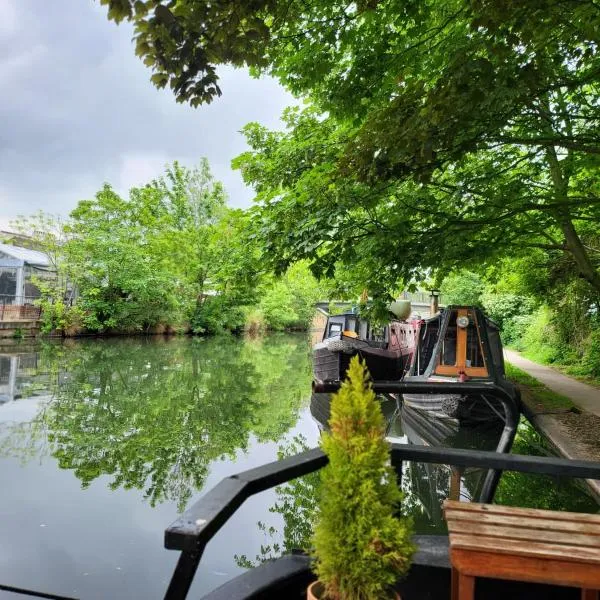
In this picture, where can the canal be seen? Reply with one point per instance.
(104, 441)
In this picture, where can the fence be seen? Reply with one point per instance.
(18, 308)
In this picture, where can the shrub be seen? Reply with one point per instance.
(277, 307)
(361, 546)
(591, 358)
(540, 340)
(217, 314)
(464, 287)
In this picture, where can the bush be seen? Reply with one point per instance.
(217, 314)
(591, 358)
(255, 322)
(361, 546)
(59, 317)
(540, 339)
(277, 307)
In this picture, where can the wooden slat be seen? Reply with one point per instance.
(518, 568)
(524, 512)
(518, 535)
(530, 549)
(532, 525)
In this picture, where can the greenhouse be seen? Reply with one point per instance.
(19, 269)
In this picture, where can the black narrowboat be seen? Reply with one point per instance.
(459, 344)
(387, 350)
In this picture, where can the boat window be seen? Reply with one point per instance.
(474, 356)
(379, 334)
(428, 334)
(335, 329)
(363, 330)
(448, 349)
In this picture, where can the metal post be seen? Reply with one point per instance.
(511, 413)
(183, 575)
(20, 284)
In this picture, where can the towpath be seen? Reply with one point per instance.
(575, 435)
(584, 396)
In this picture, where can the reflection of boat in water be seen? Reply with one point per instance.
(460, 344)
(320, 408)
(432, 484)
(387, 350)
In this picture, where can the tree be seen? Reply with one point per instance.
(440, 133)
(464, 287)
(143, 261)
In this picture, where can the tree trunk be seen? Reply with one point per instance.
(573, 242)
(582, 259)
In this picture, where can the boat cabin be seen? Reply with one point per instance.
(459, 342)
(350, 325)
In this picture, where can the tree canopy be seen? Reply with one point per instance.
(437, 134)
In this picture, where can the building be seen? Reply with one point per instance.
(19, 268)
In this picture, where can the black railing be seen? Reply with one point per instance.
(507, 394)
(197, 526)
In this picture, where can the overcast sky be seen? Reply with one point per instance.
(77, 109)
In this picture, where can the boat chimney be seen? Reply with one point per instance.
(434, 302)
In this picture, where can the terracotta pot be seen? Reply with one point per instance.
(315, 590)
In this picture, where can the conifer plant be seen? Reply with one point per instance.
(361, 546)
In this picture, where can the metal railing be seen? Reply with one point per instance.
(192, 531)
(18, 308)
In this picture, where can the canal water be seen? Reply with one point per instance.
(104, 442)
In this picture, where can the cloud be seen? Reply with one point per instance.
(81, 111)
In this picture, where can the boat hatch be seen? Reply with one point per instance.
(461, 350)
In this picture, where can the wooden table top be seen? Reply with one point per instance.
(526, 532)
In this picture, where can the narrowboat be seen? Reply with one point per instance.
(459, 344)
(387, 350)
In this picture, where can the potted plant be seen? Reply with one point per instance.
(361, 546)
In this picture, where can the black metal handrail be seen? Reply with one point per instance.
(508, 395)
(196, 527)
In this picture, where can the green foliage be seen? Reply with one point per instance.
(540, 340)
(288, 301)
(276, 306)
(360, 546)
(217, 314)
(463, 287)
(141, 262)
(540, 491)
(511, 312)
(435, 137)
(591, 358)
(59, 317)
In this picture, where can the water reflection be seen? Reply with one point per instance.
(154, 415)
(426, 486)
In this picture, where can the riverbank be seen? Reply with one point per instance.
(564, 410)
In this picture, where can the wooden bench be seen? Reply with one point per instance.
(522, 544)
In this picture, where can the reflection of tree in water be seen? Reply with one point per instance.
(296, 503)
(153, 415)
(541, 491)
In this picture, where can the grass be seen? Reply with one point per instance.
(536, 394)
